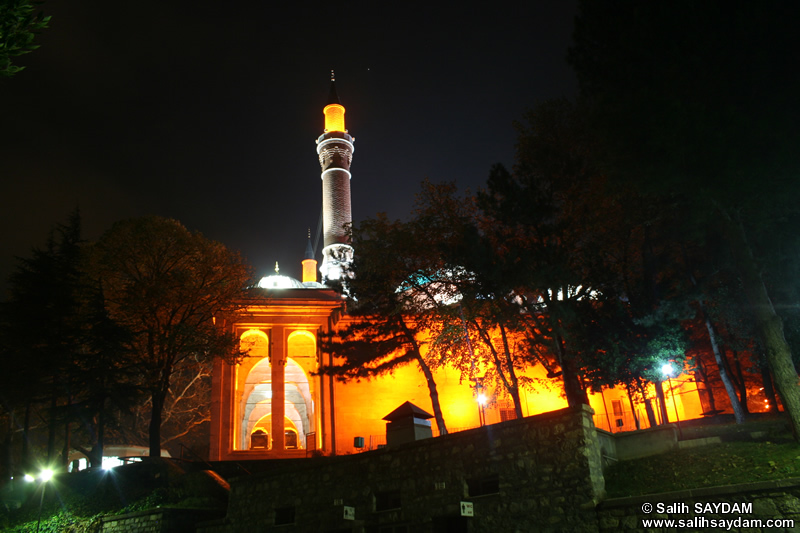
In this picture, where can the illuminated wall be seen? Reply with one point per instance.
(360, 407)
(613, 410)
(318, 413)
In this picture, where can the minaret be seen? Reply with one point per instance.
(335, 149)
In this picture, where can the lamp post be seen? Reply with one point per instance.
(480, 397)
(481, 412)
(667, 371)
(45, 476)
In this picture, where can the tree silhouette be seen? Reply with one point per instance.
(696, 100)
(172, 291)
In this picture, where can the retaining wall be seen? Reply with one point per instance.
(745, 507)
(163, 520)
(540, 473)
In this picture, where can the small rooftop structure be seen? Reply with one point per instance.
(407, 423)
(407, 410)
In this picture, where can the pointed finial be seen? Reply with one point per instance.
(277, 268)
(333, 98)
(309, 248)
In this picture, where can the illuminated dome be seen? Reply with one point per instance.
(277, 281)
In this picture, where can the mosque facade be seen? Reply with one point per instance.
(273, 404)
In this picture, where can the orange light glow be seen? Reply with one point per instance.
(309, 270)
(334, 117)
(324, 414)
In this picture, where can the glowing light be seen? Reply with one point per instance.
(349, 175)
(277, 281)
(482, 399)
(334, 117)
(109, 463)
(667, 369)
(46, 475)
(29, 478)
(309, 270)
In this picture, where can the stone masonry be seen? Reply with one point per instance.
(541, 473)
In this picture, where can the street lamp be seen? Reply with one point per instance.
(667, 371)
(481, 404)
(45, 476)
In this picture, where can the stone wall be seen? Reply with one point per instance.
(541, 473)
(162, 520)
(733, 507)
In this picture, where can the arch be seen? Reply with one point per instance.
(256, 402)
(255, 345)
(260, 437)
(298, 400)
(256, 334)
(302, 333)
(256, 385)
(302, 347)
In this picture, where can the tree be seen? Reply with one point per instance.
(187, 408)
(18, 27)
(42, 331)
(61, 347)
(393, 307)
(172, 291)
(697, 99)
(104, 381)
(479, 327)
(546, 222)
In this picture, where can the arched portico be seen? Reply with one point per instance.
(274, 389)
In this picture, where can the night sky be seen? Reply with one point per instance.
(208, 113)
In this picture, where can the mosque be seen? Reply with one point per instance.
(274, 405)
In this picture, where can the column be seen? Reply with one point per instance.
(278, 387)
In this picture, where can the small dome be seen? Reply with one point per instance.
(277, 281)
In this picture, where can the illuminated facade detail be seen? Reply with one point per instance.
(327, 155)
(335, 149)
(334, 117)
(272, 403)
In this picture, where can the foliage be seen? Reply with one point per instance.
(394, 305)
(61, 348)
(172, 291)
(719, 464)
(187, 410)
(692, 102)
(78, 502)
(19, 25)
(557, 243)
(78, 326)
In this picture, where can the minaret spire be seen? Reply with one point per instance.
(333, 97)
(335, 150)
